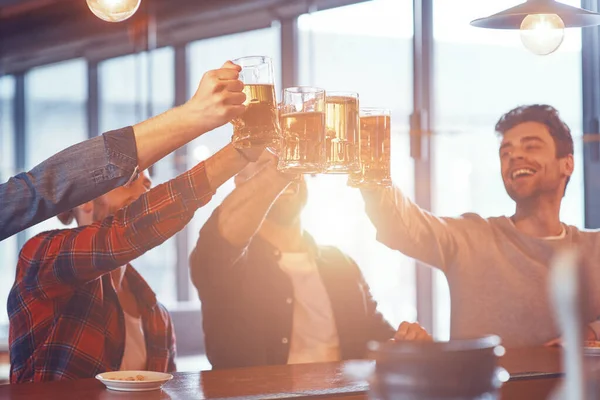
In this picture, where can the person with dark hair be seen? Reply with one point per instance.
(77, 307)
(271, 295)
(497, 268)
(91, 168)
(545, 115)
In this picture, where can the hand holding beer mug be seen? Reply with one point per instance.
(258, 126)
(342, 129)
(303, 130)
(218, 98)
(375, 136)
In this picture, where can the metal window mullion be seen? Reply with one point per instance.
(180, 160)
(420, 122)
(93, 100)
(289, 52)
(19, 115)
(590, 54)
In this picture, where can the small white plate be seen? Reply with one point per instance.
(591, 347)
(151, 380)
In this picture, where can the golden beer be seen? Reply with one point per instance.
(302, 147)
(375, 137)
(258, 125)
(342, 129)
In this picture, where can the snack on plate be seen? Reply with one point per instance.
(592, 343)
(137, 378)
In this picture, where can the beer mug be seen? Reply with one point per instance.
(342, 129)
(375, 136)
(258, 126)
(302, 116)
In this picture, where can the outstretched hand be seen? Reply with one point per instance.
(412, 331)
(219, 97)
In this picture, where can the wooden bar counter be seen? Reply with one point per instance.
(534, 374)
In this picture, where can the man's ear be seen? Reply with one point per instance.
(87, 208)
(568, 165)
(85, 214)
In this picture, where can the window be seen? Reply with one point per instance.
(55, 106)
(133, 88)
(338, 49)
(210, 54)
(481, 74)
(7, 132)
(8, 247)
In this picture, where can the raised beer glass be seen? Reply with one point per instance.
(258, 126)
(375, 136)
(342, 129)
(302, 147)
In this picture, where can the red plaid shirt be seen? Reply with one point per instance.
(66, 321)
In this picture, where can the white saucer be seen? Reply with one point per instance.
(591, 348)
(152, 380)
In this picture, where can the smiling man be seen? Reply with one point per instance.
(497, 268)
(270, 294)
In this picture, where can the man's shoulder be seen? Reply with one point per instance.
(45, 239)
(474, 220)
(330, 250)
(586, 234)
(335, 256)
(472, 216)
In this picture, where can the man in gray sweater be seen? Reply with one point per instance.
(497, 268)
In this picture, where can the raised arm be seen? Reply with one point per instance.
(73, 176)
(54, 263)
(402, 225)
(89, 169)
(218, 99)
(228, 231)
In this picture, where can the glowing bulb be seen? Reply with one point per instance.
(542, 34)
(113, 10)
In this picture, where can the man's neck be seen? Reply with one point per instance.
(287, 239)
(538, 218)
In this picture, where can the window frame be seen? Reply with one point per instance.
(262, 14)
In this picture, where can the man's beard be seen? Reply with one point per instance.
(284, 214)
(286, 210)
(532, 194)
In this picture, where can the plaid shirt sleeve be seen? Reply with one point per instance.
(57, 261)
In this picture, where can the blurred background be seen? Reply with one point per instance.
(66, 75)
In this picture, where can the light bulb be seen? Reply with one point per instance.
(113, 10)
(542, 34)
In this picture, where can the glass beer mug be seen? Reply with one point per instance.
(302, 119)
(342, 129)
(258, 126)
(375, 136)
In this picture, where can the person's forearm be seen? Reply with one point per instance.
(161, 135)
(223, 165)
(244, 210)
(402, 225)
(74, 176)
(115, 241)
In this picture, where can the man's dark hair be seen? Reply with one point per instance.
(543, 114)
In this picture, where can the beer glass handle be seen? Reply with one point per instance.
(275, 149)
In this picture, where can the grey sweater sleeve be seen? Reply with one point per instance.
(74, 176)
(402, 225)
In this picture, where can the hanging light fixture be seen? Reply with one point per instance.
(113, 10)
(542, 23)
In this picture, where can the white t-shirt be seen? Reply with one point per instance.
(314, 334)
(134, 356)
